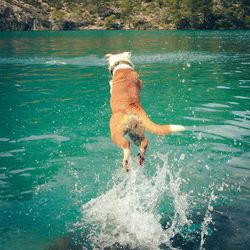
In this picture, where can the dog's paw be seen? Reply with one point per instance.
(141, 159)
(126, 166)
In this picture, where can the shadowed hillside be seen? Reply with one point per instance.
(123, 14)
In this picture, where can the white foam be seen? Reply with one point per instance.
(129, 212)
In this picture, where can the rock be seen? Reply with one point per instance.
(17, 15)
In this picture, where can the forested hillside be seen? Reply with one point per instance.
(123, 14)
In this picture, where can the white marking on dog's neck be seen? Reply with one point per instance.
(110, 83)
(122, 66)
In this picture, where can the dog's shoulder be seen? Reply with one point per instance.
(127, 75)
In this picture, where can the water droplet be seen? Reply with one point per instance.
(199, 137)
(182, 157)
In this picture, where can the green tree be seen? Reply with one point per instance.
(111, 22)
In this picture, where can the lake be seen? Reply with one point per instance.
(62, 185)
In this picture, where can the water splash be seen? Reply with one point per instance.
(207, 220)
(93, 60)
(86, 61)
(175, 57)
(140, 210)
(129, 213)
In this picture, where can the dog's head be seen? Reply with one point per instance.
(114, 60)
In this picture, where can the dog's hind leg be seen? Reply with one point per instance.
(120, 140)
(126, 153)
(143, 148)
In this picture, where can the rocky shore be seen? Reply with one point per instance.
(22, 15)
(16, 15)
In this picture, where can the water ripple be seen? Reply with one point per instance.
(57, 138)
(92, 60)
(227, 131)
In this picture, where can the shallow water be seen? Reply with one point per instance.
(61, 181)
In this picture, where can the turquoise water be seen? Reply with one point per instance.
(62, 185)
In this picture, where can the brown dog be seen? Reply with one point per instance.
(128, 116)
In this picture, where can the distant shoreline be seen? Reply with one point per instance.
(112, 30)
(57, 15)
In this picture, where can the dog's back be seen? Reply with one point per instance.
(126, 87)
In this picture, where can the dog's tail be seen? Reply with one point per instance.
(156, 128)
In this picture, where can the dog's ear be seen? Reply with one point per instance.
(127, 53)
(107, 56)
